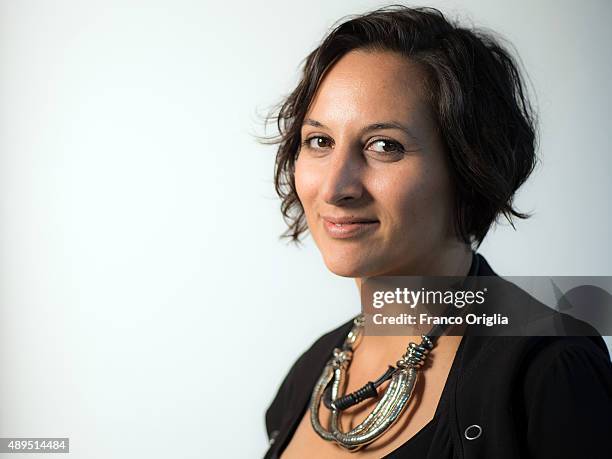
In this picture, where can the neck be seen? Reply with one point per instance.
(454, 261)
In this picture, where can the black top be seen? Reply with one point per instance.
(419, 444)
(527, 396)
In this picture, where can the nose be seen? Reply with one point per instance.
(343, 182)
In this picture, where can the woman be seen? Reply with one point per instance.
(405, 139)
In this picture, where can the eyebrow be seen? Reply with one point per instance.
(369, 127)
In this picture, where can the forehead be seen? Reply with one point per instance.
(371, 85)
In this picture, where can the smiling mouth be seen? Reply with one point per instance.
(347, 228)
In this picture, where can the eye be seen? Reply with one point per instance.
(317, 142)
(386, 147)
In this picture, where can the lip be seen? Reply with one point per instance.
(348, 227)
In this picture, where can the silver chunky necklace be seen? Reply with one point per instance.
(331, 383)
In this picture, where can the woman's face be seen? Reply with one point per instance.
(371, 173)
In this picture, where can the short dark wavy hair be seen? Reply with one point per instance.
(475, 89)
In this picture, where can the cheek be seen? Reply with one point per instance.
(306, 183)
(417, 197)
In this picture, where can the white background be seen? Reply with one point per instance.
(147, 307)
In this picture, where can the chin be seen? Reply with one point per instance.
(346, 266)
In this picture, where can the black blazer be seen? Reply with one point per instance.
(531, 396)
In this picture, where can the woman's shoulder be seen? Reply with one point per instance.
(566, 393)
(519, 354)
(580, 361)
(549, 348)
(534, 395)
